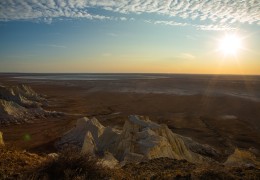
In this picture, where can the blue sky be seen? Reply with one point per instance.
(170, 36)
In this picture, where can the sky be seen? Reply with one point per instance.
(130, 36)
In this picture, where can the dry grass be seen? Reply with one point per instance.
(15, 163)
(70, 164)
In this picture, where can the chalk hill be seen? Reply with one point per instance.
(19, 104)
(139, 140)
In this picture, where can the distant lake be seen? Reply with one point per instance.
(129, 76)
(89, 77)
(247, 87)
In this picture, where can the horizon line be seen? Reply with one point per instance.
(158, 73)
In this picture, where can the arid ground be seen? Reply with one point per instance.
(222, 111)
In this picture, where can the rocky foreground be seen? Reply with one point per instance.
(142, 149)
(164, 156)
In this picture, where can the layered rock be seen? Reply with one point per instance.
(140, 140)
(19, 104)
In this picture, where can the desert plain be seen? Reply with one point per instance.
(222, 111)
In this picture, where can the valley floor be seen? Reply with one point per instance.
(222, 121)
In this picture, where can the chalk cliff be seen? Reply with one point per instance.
(139, 140)
(20, 104)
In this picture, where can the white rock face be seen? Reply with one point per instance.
(21, 104)
(143, 139)
(140, 140)
(77, 135)
(89, 145)
(1, 140)
(22, 95)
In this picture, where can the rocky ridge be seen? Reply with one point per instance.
(19, 104)
(139, 140)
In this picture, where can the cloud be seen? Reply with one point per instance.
(212, 27)
(52, 46)
(206, 27)
(45, 10)
(217, 12)
(228, 11)
(123, 18)
(172, 23)
(187, 56)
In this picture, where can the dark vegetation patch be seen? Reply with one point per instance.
(70, 164)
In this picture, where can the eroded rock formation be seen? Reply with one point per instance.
(139, 140)
(19, 104)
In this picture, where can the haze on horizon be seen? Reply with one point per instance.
(153, 36)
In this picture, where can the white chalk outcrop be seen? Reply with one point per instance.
(19, 104)
(22, 95)
(139, 140)
(1, 140)
(77, 135)
(143, 139)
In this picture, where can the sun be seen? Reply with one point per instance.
(230, 44)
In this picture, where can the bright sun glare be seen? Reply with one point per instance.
(230, 44)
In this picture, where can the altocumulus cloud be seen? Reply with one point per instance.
(44, 10)
(217, 11)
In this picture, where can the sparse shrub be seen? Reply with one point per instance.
(215, 175)
(70, 164)
(14, 163)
